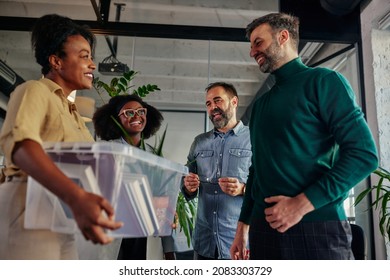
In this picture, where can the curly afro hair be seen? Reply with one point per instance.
(107, 129)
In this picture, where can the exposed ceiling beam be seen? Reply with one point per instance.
(140, 29)
(181, 31)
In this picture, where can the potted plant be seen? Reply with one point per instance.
(380, 200)
(185, 210)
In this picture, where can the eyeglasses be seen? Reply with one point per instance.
(129, 113)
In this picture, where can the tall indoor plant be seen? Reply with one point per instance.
(380, 201)
(185, 210)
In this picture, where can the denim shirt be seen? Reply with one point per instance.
(214, 155)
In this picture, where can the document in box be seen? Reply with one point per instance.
(138, 191)
(82, 175)
(44, 210)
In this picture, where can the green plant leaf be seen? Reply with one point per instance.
(186, 220)
(121, 85)
(123, 81)
(127, 136)
(142, 146)
(381, 199)
(362, 195)
(114, 82)
(129, 75)
(160, 146)
(121, 88)
(144, 90)
(107, 88)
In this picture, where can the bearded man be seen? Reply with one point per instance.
(218, 162)
(311, 145)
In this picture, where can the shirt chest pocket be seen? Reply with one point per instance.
(239, 153)
(239, 162)
(205, 154)
(204, 162)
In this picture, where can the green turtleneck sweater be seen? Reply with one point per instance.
(308, 135)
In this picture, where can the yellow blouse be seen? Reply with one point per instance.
(39, 111)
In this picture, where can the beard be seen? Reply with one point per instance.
(224, 117)
(272, 56)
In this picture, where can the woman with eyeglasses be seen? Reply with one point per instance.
(140, 121)
(38, 111)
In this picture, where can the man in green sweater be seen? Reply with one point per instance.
(310, 144)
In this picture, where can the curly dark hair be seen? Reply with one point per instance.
(49, 34)
(107, 129)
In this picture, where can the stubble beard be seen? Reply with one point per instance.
(272, 56)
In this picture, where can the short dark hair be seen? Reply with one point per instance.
(107, 129)
(49, 34)
(277, 21)
(229, 88)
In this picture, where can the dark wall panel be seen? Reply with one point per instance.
(320, 23)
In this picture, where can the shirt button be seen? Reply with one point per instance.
(215, 192)
(215, 233)
(214, 212)
(207, 179)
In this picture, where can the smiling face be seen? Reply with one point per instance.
(221, 108)
(133, 125)
(74, 70)
(266, 48)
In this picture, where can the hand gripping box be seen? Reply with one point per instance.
(142, 187)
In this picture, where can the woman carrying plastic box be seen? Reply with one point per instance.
(38, 111)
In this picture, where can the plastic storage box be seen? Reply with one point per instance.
(142, 187)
